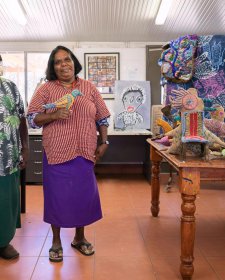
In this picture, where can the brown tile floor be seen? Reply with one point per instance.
(130, 244)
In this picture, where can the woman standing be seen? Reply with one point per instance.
(13, 157)
(71, 197)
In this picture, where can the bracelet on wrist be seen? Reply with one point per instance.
(105, 142)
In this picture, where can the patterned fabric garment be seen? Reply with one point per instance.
(64, 140)
(11, 110)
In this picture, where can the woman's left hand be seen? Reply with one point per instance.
(100, 151)
(25, 155)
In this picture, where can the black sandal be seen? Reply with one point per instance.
(56, 255)
(84, 248)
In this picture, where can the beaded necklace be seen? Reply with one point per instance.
(67, 85)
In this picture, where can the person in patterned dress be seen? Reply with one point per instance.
(13, 157)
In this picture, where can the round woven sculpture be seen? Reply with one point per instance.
(189, 101)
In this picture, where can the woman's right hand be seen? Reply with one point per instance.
(61, 114)
(45, 118)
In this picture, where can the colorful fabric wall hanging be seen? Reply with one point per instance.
(177, 60)
(209, 73)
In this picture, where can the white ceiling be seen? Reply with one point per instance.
(110, 20)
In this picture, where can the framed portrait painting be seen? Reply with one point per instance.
(102, 69)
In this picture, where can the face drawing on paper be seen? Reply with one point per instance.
(132, 99)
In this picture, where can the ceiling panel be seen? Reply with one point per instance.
(110, 20)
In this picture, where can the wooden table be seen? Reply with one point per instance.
(190, 173)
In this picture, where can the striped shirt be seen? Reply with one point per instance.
(66, 139)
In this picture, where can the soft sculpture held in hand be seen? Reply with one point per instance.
(64, 102)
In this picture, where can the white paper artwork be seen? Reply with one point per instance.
(132, 105)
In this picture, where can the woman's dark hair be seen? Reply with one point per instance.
(50, 71)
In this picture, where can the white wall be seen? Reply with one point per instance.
(132, 67)
(132, 55)
(132, 61)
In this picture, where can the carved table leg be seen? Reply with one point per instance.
(189, 187)
(155, 184)
(155, 188)
(187, 236)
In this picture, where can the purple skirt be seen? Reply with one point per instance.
(71, 197)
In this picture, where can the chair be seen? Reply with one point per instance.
(193, 131)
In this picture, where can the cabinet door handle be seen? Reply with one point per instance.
(37, 140)
(37, 173)
(37, 151)
(38, 162)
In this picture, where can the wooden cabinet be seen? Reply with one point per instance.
(34, 166)
(125, 149)
(125, 154)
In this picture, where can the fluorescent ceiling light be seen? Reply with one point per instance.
(16, 11)
(163, 12)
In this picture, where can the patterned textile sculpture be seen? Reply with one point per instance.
(193, 131)
(209, 70)
(64, 102)
(177, 60)
(164, 125)
(183, 100)
(216, 123)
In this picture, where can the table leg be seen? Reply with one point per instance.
(155, 184)
(187, 236)
(189, 187)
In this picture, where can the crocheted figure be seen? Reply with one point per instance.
(216, 123)
(215, 126)
(176, 133)
(182, 100)
(186, 100)
(64, 102)
(164, 125)
(164, 141)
